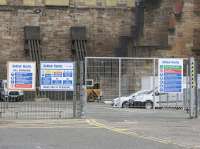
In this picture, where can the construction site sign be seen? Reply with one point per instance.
(21, 76)
(170, 75)
(57, 76)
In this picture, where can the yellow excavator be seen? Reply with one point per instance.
(94, 92)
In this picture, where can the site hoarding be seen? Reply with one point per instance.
(57, 76)
(21, 76)
(170, 74)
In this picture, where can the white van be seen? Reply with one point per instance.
(10, 95)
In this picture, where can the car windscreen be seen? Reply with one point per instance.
(139, 93)
(145, 92)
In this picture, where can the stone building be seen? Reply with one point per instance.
(168, 28)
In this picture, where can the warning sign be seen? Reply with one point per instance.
(170, 75)
(57, 76)
(21, 76)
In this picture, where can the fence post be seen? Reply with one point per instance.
(185, 93)
(75, 93)
(193, 89)
(83, 88)
(198, 95)
(120, 63)
(154, 77)
(79, 90)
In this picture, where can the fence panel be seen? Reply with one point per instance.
(40, 105)
(133, 82)
(106, 73)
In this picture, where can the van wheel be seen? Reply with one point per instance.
(125, 105)
(148, 105)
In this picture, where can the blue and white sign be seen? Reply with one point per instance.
(170, 75)
(57, 76)
(21, 76)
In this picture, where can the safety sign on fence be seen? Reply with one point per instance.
(57, 76)
(21, 76)
(170, 75)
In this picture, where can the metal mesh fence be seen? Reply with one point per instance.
(42, 105)
(106, 73)
(133, 82)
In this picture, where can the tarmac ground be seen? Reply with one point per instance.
(105, 127)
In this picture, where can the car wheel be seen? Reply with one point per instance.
(22, 99)
(148, 105)
(125, 105)
(3, 99)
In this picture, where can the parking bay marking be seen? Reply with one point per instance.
(93, 122)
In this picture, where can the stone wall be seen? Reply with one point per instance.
(105, 23)
(183, 41)
(104, 26)
(159, 41)
(75, 3)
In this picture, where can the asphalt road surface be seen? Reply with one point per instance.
(104, 128)
(73, 138)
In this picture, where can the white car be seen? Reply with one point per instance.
(123, 102)
(146, 100)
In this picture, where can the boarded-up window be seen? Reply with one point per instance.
(122, 49)
(86, 3)
(178, 8)
(3, 2)
(196, 39)
(111, 3)
(29, 2)
(131, 3)
(90, 2)
(172, 23)
(122, 3)
(32, 2)
(100, 3)
(196, 6)
(57, 2)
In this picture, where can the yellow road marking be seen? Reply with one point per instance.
(93, 122)
(47, 127)
(74, 123)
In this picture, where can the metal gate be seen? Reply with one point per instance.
(40, 105)
(120, 78)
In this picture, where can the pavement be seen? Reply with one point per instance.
(105, 128)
